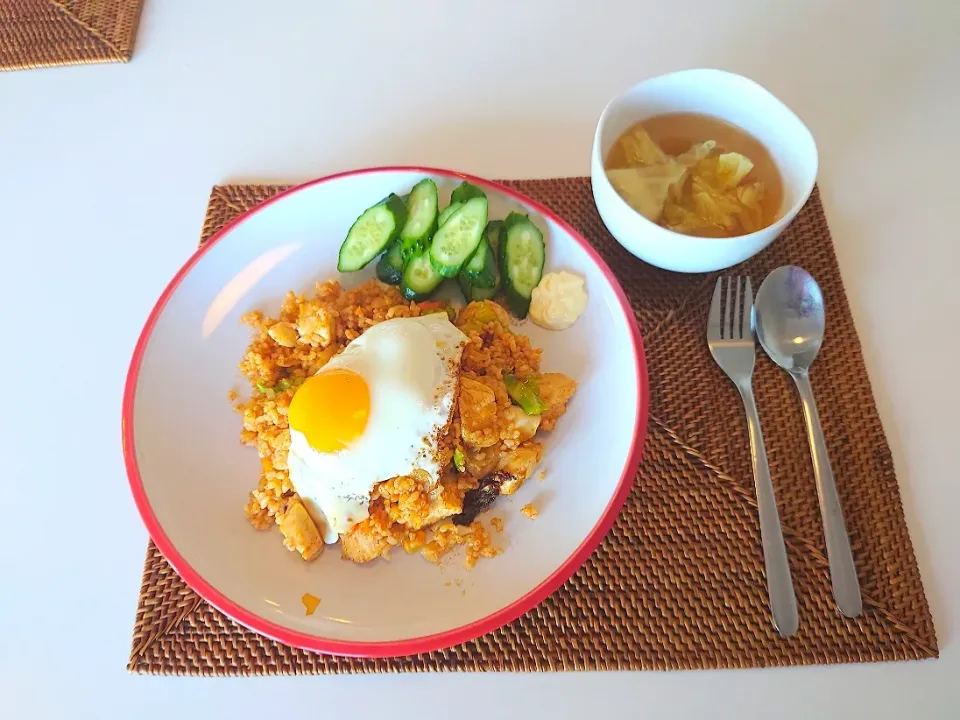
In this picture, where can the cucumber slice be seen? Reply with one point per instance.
(371, 233)
(465, 191)
(478, 294)
(420, 278)
(521, 261)
(390, 265)
(474, 294)
(447, 212)
(481, 268)
(458, 238)
(421, 217)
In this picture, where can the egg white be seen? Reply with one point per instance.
(410, 366)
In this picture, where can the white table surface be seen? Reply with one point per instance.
(104, 175)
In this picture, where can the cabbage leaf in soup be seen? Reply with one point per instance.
(647, 188)
(640, 149)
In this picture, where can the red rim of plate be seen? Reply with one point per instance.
(408, 646)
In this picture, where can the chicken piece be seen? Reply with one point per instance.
(445, 500)
(556, 389)
(363, 543)
(315, 325)
(499, 389)
(478, 413)
(516, 426)
(299, 531)
(284, 333)
(481, 461)
(519, 464)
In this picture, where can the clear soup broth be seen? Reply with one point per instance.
(697, 175)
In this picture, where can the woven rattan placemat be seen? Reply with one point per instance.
(45, 33)
(678, 582)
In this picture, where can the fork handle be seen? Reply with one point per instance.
(783, 601)
(843, 573)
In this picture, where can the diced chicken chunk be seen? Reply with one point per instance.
(284, 333)
(556, 389)
(520, 464)
(299, 531)
(517, 427)
(478, 413)
(363, 543)
(481, 461)
(445, 501)
(315, 325)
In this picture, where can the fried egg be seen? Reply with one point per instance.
(374, 412)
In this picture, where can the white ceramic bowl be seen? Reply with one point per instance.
(190, 476)
(732, 98)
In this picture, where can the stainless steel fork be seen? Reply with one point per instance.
(732, 346)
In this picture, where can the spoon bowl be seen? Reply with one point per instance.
(790, 318)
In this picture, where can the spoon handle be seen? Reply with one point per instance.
(843, 573)
(783, 601)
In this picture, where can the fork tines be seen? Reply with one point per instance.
(731, 311)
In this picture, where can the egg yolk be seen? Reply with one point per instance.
(331, 409)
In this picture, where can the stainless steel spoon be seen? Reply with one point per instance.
(790, 325)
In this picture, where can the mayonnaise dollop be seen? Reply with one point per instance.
(558, 300)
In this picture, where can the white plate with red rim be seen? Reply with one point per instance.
(190, 475)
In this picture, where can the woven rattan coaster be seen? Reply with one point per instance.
(45, 33)
(678, 582)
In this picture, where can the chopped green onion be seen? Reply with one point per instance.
(526, 394)
(458, 460)
(284, 384)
